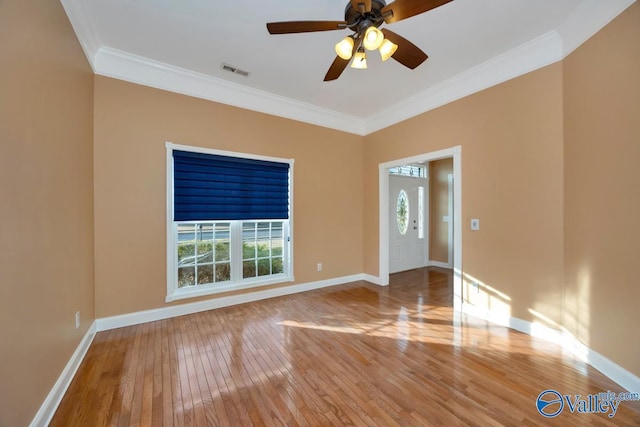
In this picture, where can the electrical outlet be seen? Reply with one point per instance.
(77, 319)
(475, 224)
(319, 266)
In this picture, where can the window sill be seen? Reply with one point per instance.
(212, 289)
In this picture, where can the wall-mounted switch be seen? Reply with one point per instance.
(319, 266)
(475, 224)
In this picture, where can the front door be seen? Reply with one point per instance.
(408, 236)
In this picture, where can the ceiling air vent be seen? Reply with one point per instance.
(235, 70)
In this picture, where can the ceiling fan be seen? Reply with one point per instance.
(363, 17)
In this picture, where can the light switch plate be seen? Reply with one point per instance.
(475, 224)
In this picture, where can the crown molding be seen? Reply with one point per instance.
(587, 19)
(83, 27)
(136, 69)
(523, 59)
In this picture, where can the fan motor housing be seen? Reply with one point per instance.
(355, 19)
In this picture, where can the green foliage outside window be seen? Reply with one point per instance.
(257, 262)
(208, 271)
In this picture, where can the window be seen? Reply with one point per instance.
(203, 253)
(262, 248)
(228, 221)
(416, 171)
(420, 212)
(402, 212)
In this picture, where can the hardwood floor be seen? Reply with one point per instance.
(355, 354)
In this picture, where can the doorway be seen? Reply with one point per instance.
(384, 215)
(441, 213)
(409, 224)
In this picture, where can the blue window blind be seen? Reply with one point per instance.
(213, 187)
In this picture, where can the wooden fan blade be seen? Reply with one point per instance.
(403, 9)
(408, 54)
(289, 27)
(361, 6)
(338, 65)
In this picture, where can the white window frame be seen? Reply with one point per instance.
(173, 292)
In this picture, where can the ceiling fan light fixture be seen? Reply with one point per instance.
(373, 38)
(362, 18)
(359, 60)
(344, 48)
(387, 49)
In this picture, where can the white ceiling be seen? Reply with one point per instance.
(179, 45)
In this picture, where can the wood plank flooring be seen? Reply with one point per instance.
(355, 354)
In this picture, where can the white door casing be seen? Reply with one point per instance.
(450, 224)
(383, 204)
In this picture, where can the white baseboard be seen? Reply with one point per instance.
(625, 379)
(375, 280)
(439, 264)
(136, 318)
(50, 404)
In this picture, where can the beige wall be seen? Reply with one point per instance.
(439, 171)
(512, 170)
(549, 167)
(132, 124)
(46, 214)
(602, 178)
